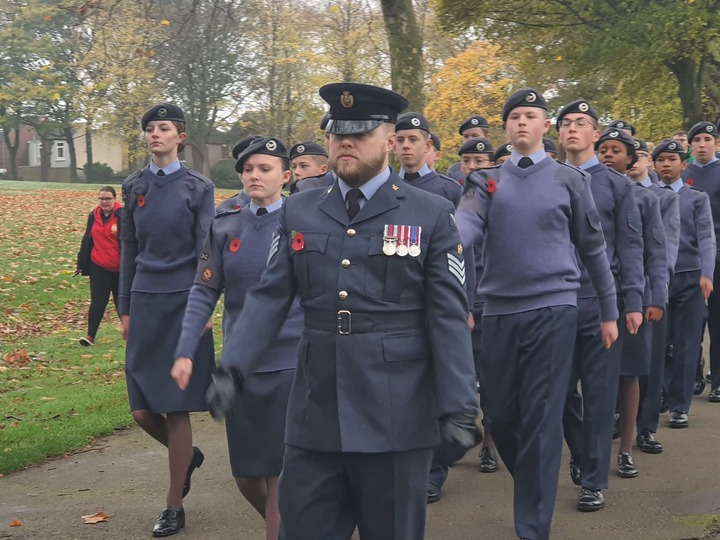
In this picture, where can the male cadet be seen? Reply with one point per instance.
(434, 154)
(503, 153)
(651, 386)
(309, 162)
(386, 348)
(691, 283)
(682, 138)
(413, 142)
(476, 153)
(472, 127)
(616, 149)
(588, 421)
(532, 209)
(237, 201)
(704, 174)
(623, 125)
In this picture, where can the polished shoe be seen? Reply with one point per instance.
(663, 405)
(678, 420)
(616, 427)
(87, 341)
(699, 386)
(590, 501)
(574, 472)
(170, 522)
(648, 444)
(197, 459)
(714, 396)
(488, 460)
(708, 378)
(433, 494)
(626, 466)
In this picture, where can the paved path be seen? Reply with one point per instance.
(125, 475)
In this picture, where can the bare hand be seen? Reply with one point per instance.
(609, 333)
(208, 327)
(182, 371)
(471, 321)
(653, 314)
(125, 321)
(706, 285)
(634, 320)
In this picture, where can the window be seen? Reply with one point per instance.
(60, 151)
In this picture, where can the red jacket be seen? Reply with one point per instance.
(106, 240)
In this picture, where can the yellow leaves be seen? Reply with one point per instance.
(165, 22)
(56, 96)
(97, 517)
(559, 58)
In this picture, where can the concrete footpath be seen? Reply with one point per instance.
(124, 475)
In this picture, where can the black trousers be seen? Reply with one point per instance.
(713, 323)
(102, 283)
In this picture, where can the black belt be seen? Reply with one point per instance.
(345, 322)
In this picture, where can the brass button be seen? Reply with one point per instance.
(342, 295)
(345, 263)
(351, 232)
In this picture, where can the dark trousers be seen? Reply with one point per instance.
(687, 311)
(527, 359)
(713, 322)
(651, 386)
(326, 495)
(102, 283)
(588, 420)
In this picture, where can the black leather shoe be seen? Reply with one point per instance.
(714, 396)
(574, 472)
(699, 386)
(488, 460)
(170, 522)
(663, 406)
(678, 420)
(590, 501)
(708, 378)
(616, 427)
(626, 466)
(433, 494)
(197, 459)
(648, 444)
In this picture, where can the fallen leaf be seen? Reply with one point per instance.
(15, 523)
(86, 356)
(97, 517)
(46, 398)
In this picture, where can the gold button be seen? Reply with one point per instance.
(345, 263)
(351, 232)
(342, 295)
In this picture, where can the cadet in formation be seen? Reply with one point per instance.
(309, 161)
(471, 128)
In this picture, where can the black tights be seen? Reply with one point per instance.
(102, 283)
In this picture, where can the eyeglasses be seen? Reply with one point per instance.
(103, 199)
(477, 161)
(579, 122)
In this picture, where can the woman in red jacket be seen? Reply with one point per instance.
(99, 258)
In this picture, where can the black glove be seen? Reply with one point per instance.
(458, 434)
(222, 391)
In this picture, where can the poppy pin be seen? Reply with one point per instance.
(690, 182)
(298, 241)
(141, 200)
(234, 246)
(491, 186)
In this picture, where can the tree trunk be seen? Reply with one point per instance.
(406, 56)
(68, 133)
(89, 151)
(687, 73)
(12, 150)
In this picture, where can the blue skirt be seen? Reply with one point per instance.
(155, 324)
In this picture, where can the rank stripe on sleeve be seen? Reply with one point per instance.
(456, 267)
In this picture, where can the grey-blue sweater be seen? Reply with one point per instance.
(697, 235)
(654, 249)
(670, 212)
(706, 179)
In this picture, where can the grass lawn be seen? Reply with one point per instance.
(55, 395)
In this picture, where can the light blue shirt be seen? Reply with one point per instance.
(368, 188)
(536, 157)
(646, 182)
(712, 160)
(168, 169)
(676, 185)
(588, 164)
(270, 207)
(422, 172)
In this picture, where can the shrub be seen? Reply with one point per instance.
(101, 173)
(223, 174)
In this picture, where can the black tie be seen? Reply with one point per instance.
(261, 212)
(666, 187)
(161, 173)
(525, 162)
(410, 176)
(353, 202)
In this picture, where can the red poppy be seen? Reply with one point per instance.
(690, 182)
(491, 186)
(236, 207)
(141, 200)
(234, 245)
(298, 241)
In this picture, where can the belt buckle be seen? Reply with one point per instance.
(344, 319)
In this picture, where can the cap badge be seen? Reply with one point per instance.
(621, 124)
(584, 107)
(710, 128)
(636, 144)
(509, 147)
(300, 149)
(271, 145)
(347, 100)
(480, 146)
(162, 112)
(672, 146)
(415, 122)
(613, 134)
(531, 97)
(474, 121)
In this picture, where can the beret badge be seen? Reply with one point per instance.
(162, 112)
(531, 97)
(271, 145)
(584, 107)
(415, 122)
(300, 149)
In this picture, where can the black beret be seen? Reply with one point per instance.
(412, 120)
(475, 121)
(307, 148)
(477, 145)
(622, 124)
(641, 146)
(581, 106)
(669, 146)
(503, 150)
(436, 141)
(270, 146)
(163, 111)
(549, 145)
(525, 97)
(702, 127)
(242, 144)
(360, 108)
(616, 134)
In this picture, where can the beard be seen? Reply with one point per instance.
(358, 172)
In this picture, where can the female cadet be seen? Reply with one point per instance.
(167, 213)
(233, 260)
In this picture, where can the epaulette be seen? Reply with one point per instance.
(572, 177)
(130, 179)
(200, 177)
